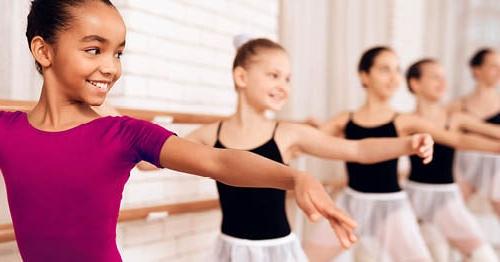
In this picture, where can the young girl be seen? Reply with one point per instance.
(254, 223)
(68, 212)
(481, 172)
(435, 197)
(387, 226)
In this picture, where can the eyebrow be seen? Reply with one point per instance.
(97, 38)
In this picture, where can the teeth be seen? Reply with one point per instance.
(100, 85)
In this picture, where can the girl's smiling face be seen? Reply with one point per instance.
(84, 60)
(264, 81)
(267, 80)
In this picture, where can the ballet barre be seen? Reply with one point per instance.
(144, 114)
(139, 213)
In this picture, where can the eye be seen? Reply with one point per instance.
(118, 55)
(273, 75)
(93, 51)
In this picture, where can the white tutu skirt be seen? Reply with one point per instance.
(387, 228)
(480, 170)
(444, 216)
(231, 249)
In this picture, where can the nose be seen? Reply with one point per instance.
(110, 66)
(396, 77)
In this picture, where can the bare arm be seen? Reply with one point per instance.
(146, 166)
(336, 125)
(255, 171)
(472, 124)
(220, 164)
(414, 124)
(455, 106)
(370, 150)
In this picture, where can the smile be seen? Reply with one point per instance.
(103, 86)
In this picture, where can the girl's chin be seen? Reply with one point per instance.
(276, 107)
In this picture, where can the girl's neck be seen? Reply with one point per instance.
(54, 112)
(482, 92)
(247, 116)
(374, 103)
(428, 108)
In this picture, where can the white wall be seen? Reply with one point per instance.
(179, 53)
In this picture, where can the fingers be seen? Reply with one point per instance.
(341, 223)
(342, 234)
(415, 142)
(428, 140)
(335, 213)
(426, 148)
(325, 206)
(307, 207)
(426, 153)
(315, 202)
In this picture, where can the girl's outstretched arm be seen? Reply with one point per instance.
(411, 124)
(474, 125)
(370, 150)
(241, 168)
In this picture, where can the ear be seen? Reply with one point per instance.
(475, 72)
(41, 51)
(363, 76)
(414, 85)
(240, 77)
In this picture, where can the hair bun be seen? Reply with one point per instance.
(241, 39)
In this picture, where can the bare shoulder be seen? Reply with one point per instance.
(289, 135)
(205, 134)
(289, 130)
(455, 106)
(405, 117)
(292, 133)
(336, 124)
(341, 118)
(405, 123)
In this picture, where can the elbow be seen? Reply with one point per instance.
(216, 167)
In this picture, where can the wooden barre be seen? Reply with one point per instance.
(131, 214)
(149, 115)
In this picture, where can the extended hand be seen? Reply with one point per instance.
(315, 202)
(423, 146)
